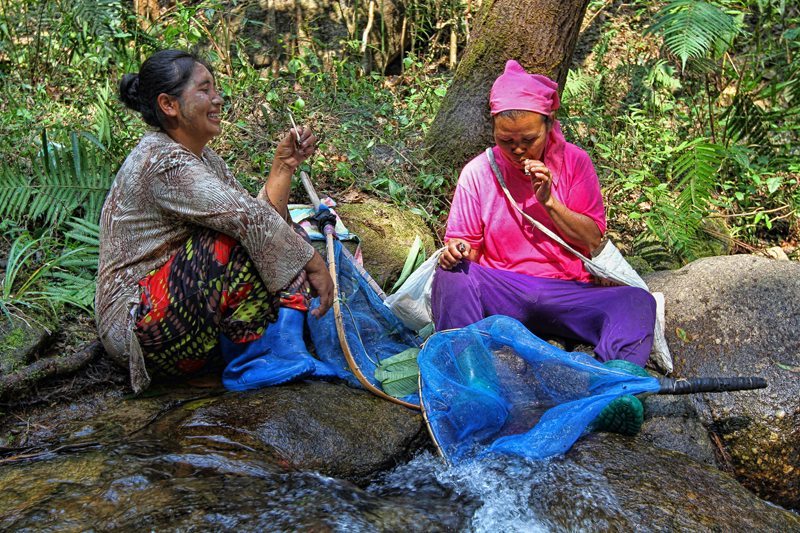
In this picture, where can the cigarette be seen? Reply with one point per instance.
(294, 126)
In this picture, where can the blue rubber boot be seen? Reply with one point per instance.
(252, 365)
(285, 336)
(277, 357)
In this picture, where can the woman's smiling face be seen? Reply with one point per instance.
(521, 137)
(200, 106)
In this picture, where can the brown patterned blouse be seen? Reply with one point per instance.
(162, 193)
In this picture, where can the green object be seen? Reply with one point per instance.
(625, 414)
(399, 374)
(416, 256)
(628, 367)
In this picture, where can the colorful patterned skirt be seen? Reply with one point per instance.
(209, 287)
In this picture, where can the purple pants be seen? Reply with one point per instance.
(617, 321)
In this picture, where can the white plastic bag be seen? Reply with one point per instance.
(412, 301)
(660, 353)
(610, 265)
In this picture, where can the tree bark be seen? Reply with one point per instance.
(540, 34)
(148, 12)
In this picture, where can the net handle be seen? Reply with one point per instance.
(694, 385)
(337, 308)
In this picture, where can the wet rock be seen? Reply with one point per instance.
(142, 485)
(332, 429)
(672, 423)
(387, 233)
(740, 316)
(655, 490)
(102, 417)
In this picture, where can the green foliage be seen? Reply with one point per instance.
(56, 183)
(37, 277)
(679, 209)
(399, 374)
(692, 28)
(416, 256)
(695, 145)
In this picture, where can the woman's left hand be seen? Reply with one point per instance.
(291, 152)
(541, 179)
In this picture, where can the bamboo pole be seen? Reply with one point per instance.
(337, 305)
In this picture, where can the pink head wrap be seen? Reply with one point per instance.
(516, 89)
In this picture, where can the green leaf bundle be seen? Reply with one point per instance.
(399, 374)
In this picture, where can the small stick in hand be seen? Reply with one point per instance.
(294, 126)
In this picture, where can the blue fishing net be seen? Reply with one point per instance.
(373, 332)
(494, 387)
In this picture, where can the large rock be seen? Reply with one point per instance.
(387, 233)
(740, 316)
(656, 490)
(673, 423)
(332, 429)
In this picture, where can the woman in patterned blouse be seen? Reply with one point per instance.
(193, 269)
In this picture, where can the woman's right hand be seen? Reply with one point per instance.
(455, 250)
(321, 284)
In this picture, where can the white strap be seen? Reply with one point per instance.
(499, 175)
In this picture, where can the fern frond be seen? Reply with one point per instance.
(56, 184)
(100, 17)
(696, 170)
(70, 289)
(691, 28)
(679, 208)
(83, 231)
(16, 190)
(577, 85)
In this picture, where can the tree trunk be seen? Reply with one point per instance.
(148, 12)
(540, 34)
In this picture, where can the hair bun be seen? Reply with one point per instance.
(129, 91)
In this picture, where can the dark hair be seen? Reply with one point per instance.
(168, 72)
(514, 114)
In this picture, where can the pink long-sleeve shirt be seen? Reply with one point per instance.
(480, 214)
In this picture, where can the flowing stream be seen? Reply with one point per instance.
(142, 485)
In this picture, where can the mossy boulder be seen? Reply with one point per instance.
(332, 429)
(387, 233)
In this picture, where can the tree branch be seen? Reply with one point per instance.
(50, 366)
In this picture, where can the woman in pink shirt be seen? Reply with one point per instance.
(497, 263)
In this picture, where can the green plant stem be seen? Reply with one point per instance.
(710, 110)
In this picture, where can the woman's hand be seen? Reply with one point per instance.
(290, 152)
(288, 156)
(541, 180)
(454, 252)
(321, 284)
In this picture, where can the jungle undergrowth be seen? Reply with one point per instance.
(693, 149)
